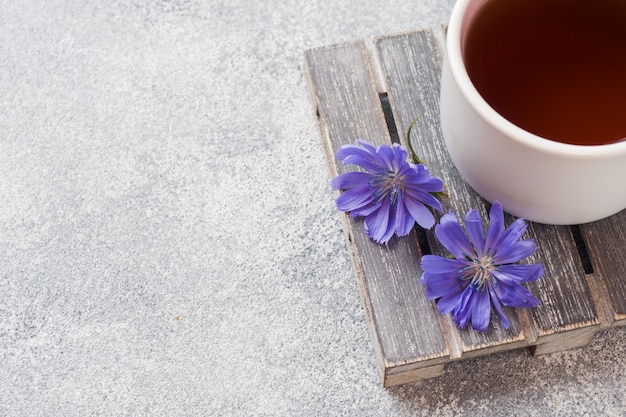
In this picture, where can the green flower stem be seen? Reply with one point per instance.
(416, 160)
(414, 156)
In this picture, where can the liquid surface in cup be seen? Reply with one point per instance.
(556, 68)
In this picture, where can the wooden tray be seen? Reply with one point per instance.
(373, 94)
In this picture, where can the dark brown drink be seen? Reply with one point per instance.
(556, 68)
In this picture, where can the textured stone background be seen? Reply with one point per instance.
(168, 239)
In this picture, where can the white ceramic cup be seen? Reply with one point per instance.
(541, 180)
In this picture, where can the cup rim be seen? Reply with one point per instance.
(457, 67)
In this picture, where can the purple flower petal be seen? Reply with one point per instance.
(439, 266)
(481, 310)
(351, 154)
(424, 175)
(365, 210)
(450, 301)
(474, 227)
(391, 225)
(369, 147)
(377, 222)
(399, 160)
(496, 304)
(496, 225)
(441, 287)
(419, 175)
(350, 180)
(515, 295)
(386, 156)
(452, 237)
(515, 252)
(420, 213)
(462, 314)
(422, 196)
(512, 234)
(433, 185)
(354, 198)
(404, 221)
(514, 273)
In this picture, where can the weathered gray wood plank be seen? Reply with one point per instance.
(567, 310)
(404, 328)
(411, 66)
(606, 243)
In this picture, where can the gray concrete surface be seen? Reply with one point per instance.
(168, 239)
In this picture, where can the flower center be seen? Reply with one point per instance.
(480, 271)
(387, 184)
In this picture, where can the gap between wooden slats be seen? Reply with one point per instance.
(404, 328)
(606, 243)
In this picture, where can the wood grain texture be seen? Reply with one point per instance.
(404, 327)
(566, 300)
(411, 66)
(606, 243)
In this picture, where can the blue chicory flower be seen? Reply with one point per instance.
(392, 193)
(483, 271)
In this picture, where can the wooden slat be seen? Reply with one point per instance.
(411, 66)
(567, 316)
(404, 328)
(606, 243)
